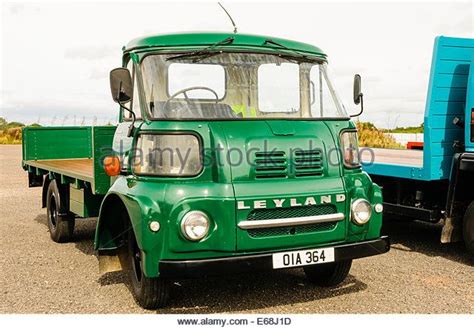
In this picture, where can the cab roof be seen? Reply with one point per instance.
(200, 40)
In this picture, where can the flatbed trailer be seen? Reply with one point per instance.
(435, 184)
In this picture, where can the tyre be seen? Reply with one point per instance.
(468, 228)
(60, 220)
(328, 275)
(150, 293)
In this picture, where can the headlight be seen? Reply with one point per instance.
(361, 210)
(350, 149)
(167, 155)
(195, 225)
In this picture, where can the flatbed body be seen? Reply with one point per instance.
(397, 157)
(74, 155)
(82, 169)
(399, 163)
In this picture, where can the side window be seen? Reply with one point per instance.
(323, 103)
(135, 103)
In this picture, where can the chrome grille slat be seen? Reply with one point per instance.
(292, 221)
(262, 215)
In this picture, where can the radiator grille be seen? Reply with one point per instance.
(276, 213)
(296, 230)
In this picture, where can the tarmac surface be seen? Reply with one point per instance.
(419, 275)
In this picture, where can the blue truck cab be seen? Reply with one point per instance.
(435, 184)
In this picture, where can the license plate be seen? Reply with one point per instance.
(303, 257)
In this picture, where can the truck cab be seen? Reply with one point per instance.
(233, 153)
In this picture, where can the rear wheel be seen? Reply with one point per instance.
(150, 293)
(468, 228)
(330, 274)
(60, 221)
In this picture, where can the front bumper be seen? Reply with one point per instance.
(261, 262)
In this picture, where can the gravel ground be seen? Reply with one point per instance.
(419, 275)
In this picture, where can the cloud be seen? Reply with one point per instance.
(93, 53)
(99, 74)
(15, 8)
(463, 24)
(63, 67)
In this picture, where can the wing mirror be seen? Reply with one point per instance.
(121, 85)
(358, 95)
(121, 88)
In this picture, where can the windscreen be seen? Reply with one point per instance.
(237, 86)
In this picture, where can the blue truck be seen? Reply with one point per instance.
(435, 184)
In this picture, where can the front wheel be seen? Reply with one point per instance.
(468, 228)
(60, 221)
(328, 275)
(150, 293)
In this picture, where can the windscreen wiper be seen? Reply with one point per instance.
(299, 55)
(203, 52)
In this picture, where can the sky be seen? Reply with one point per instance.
(56, 57)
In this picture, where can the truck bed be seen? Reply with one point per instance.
(403, 157)
(82, 169)
(394, 163)
(72, 154)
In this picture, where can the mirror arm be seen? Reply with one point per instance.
(132, 124)
(130, 129)
(361, 106)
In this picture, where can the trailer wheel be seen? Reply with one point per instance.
(468, 228)
(328, 275)
(60, 221)
(150, 293)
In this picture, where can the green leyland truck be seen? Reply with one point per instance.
(233, 153)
